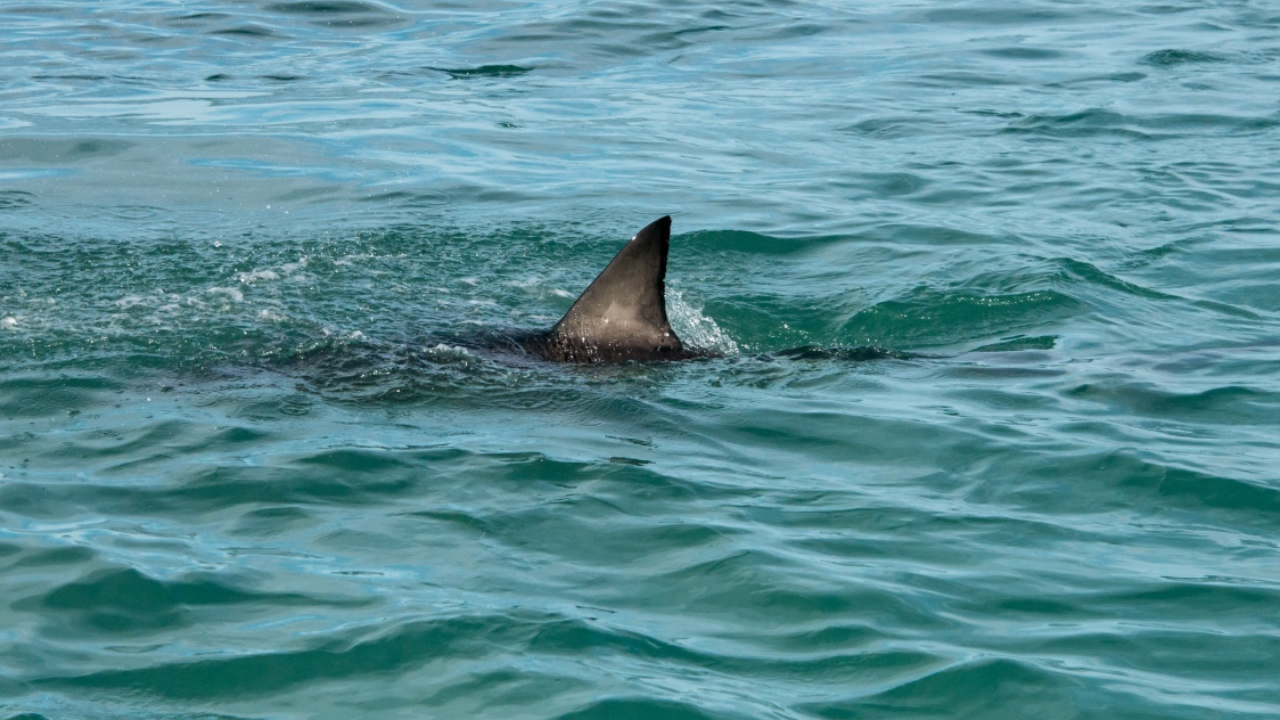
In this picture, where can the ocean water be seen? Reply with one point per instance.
(253, 465)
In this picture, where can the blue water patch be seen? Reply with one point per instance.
(984, 425)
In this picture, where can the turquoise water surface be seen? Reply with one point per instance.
(255, 464)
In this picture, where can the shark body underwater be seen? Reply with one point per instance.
(622, 315)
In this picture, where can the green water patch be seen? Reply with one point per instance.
(740, 241)
(34, 396)
(54, 151)
(16, 200)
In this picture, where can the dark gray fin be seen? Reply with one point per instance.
(623, 314)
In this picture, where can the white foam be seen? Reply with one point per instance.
(295, 267)
(445, 352)
(357, 257)
(129, 301)
(233, 294)
(248, 278)
(694, 328)
(531, 281)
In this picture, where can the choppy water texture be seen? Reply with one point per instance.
(250, 468)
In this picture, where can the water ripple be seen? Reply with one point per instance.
(991, 431)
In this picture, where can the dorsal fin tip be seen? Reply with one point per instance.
(622, 315)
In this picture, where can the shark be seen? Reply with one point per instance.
(622, 315)
(620, 318)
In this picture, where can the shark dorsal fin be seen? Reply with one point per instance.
(622, 315)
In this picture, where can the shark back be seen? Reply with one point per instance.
(622, 315)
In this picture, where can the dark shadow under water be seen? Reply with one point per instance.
(452, 363)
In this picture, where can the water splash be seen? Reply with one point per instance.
(694, 328)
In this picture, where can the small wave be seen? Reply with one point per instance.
(323, 7)
(1224, 405)
(353, 14)
(1122, 479)
(1086, 123)
(403, 648)
(743, 241)
(494, 71)
(641, 707)
(32, 397)
(127, 601)
(930, 318)
(1097, 122)
(1170, 58)
(249, 31)
(948, 691)
(1020, 343)
(15, 199)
